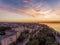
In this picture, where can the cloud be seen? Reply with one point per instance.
(30, 11)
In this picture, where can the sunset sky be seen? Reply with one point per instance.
(29, 10)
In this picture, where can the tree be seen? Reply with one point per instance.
(3, 29)
(33, 42)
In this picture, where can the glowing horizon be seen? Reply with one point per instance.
(30, 11)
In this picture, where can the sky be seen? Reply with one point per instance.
(29, 10)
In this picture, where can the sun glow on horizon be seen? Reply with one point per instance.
(42, 16)
(34, 11)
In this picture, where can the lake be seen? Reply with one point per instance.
(56, 26)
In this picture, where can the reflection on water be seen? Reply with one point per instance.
(56, 26)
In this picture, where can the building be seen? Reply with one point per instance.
(10, 37)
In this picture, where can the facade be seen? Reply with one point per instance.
(8, 39)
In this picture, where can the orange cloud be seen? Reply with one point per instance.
(30, 15)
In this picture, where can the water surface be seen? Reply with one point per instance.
(56, 26)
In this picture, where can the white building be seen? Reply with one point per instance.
(9, 38)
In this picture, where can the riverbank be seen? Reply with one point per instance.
(56, 26)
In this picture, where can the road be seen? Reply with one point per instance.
(24, 42)
(57, 39)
